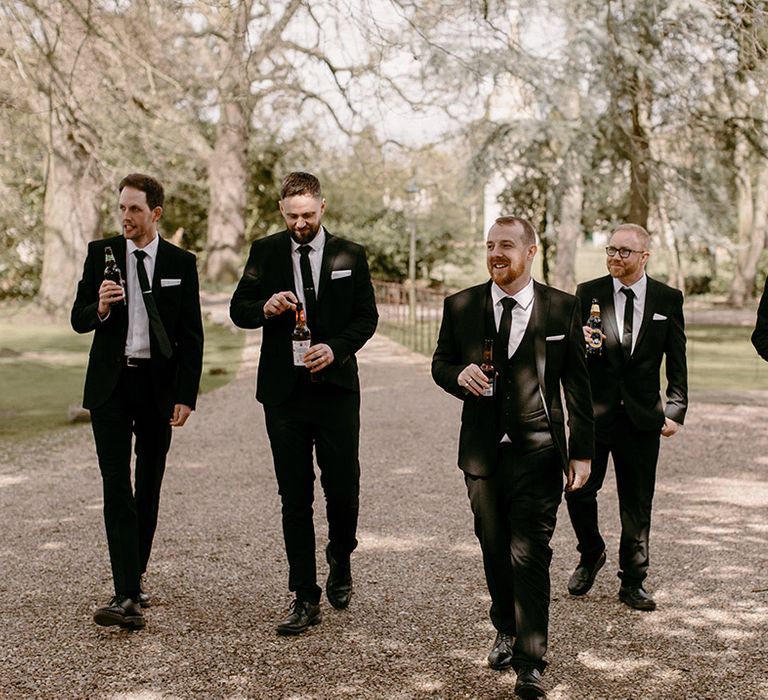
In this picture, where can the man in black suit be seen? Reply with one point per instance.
(512, 446)
(643, 322)
(143, 375)
(315, 405)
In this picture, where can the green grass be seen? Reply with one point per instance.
(39, 386)
(721, 358)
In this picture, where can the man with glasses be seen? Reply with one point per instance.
(643, 324)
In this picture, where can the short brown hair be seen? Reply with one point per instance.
(639, 231)
(529, 233)
(146, 184)
(298, 183)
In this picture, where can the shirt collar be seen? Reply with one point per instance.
(317, 243)
(638, 287)
(150, 249)
(523, 298)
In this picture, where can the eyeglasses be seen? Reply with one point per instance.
(623, 253)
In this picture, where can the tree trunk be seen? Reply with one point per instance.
(752, 211)
(675, 276)
(570, 228)
(71, 217)
(639, 160)
(227, 183)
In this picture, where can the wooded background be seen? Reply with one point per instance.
(580, 113)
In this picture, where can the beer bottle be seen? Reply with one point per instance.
(301, 336)
(595, 344)
(488, 368)
(112, 271)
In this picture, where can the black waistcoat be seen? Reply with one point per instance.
(520, 404)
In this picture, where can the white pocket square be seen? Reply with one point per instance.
(554, 337)
(170, 282)
(659, 317)
(338, 274)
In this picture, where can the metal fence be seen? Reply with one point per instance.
(413, 322)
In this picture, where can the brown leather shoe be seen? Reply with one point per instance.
(302, 616)
(500, 657)
(121, 611)
(338, 587)
(583, 576)
(637, 597)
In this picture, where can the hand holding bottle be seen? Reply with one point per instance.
(473, 380)
(280, 303)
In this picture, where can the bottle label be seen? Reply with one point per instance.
(300, 348)
(491, 389)
(595, 340)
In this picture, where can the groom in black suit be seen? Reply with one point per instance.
(143, 375)
(512, 446)
(315, 406)
(643, 324)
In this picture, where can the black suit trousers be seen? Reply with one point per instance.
(130, 513)
(635, 454)
(324, 418)
(515, 511)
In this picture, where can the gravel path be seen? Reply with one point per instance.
(417, 626)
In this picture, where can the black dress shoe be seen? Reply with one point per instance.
(500, 657)
(529, 683)
(121, 611)
(636, 597)
(584, 576)
(302, 616)
(338, 587)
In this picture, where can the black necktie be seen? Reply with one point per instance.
(629, 313)
(155, 324)
(308, 283)
(505, 326)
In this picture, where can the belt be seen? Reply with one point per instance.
(135, 362)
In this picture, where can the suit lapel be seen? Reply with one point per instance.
(651, 297)
(609, 311)
(539, 319)
(286, 261)
(329, 254)
(160, 265)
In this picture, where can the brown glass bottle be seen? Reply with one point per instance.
(488, 368)
(595, 344)
(112, 271)
(301, 337)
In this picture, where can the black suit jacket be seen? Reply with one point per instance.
(175, 380)
(760, 334)
(636, 382)
(559, 347)
(346, 311)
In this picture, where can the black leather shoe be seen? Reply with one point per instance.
(584, 576)
(144, 599)
(302, 616)
(338, 587)
(636, 597)
(500, 657)
(121, 611)
(529, 683)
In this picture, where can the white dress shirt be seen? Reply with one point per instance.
(137, 340)
(620, 302)
(317, 246)
(521, 313)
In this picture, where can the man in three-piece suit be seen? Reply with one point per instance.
(143, 375)
(512, 445)
(760, 334)
(315, 405)
(643, 324)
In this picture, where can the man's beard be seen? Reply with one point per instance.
(307, 236)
